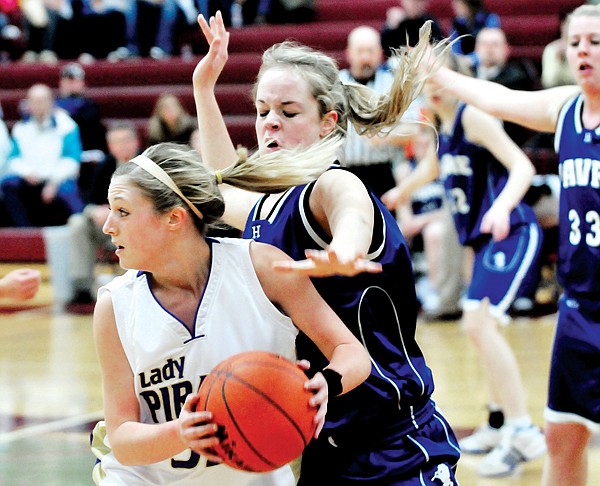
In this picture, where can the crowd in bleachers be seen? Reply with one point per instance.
(50, 30)
(73, 125)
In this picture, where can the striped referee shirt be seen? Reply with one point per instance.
(358, 150)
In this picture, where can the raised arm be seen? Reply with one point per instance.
(537, 110)
(216, 146)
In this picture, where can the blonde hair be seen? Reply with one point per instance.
(184, 166)
(263, 173)
(280, 170)
(368, 111)
(585, 10)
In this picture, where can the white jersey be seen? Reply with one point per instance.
(169, 362)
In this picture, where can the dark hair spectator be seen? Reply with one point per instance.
(402, 25)
(470, 16)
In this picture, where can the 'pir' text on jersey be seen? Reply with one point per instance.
(171, 396)
(580, 172)
(451, 164)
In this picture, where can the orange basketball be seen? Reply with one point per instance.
(259, 402)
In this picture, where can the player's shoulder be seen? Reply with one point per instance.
(123, 283)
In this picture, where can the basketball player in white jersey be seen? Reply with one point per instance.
(186, 303)
(573, 114)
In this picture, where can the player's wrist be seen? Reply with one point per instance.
(334, 381)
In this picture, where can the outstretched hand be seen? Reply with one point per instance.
(211, 65)
(327, 263)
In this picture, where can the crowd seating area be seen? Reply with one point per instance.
(128, 89)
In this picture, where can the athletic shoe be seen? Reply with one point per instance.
(482, 441)
(522, 445)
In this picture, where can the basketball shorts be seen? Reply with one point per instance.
(574, 386)
(500, 268)
(424, 456)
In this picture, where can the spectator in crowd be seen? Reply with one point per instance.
(286, 11)
(369, 158)
(494, 64)
(86, 228)
(470, 16)
(85, 111)
(12, 41)
(555, 68)
(43, 165)
(402, 24)
(100, 28)
(162, 36)
(170, 122)
(20, 284)
(41, 21)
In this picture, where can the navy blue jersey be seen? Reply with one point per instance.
(579, 215)
(473, 179)
(380, 309)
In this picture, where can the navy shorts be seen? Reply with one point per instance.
(424, 456)
(574, 387)
(500, 268)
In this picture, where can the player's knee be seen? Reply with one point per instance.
(568, 441)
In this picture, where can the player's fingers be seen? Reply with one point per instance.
(500, 232)
(190, 404)
(207, 450)
(303, 364)
(369, 266)
(205, 28)
(318, 386)
(317, 256)
(320, 420)
(302, 265)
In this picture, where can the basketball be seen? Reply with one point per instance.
(260, 405)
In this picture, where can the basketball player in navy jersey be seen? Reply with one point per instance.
(388, 431)
(573, 114)
(472, 159)
(187, 303)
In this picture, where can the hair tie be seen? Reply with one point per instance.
(219, 177)
(157, 171)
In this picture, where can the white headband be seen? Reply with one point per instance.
(151, 167)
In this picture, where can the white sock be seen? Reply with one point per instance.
(518, 422)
